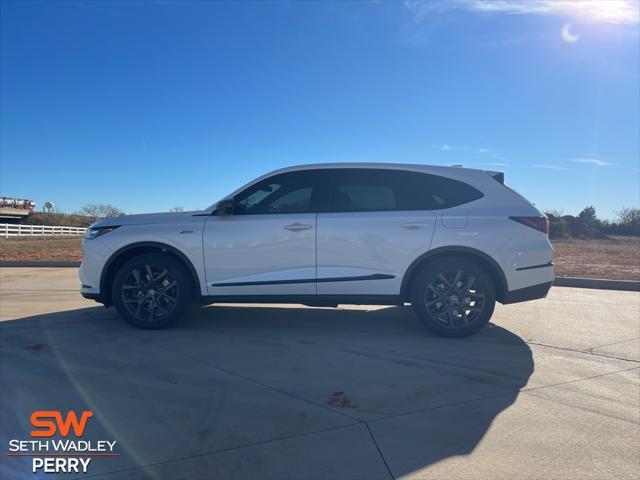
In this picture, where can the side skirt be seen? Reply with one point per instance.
(311, 300)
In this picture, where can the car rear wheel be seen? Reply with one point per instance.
(453, 297)
(151, 291)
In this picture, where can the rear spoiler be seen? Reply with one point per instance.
(498, 176)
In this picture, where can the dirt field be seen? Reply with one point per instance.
(617, 258)
(47, 248)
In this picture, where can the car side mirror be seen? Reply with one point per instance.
(225, 207)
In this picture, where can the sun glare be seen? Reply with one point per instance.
(606, 11)
(614, 11)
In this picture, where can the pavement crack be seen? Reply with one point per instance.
(585, 352)
(384, 460)
(612, 343)
(448, 405)
(525, 390)
(497, 395)
(223, 450)
(262, 384)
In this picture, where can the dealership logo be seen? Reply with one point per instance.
(68, 454)
(39, 420)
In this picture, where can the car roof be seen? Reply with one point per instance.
(395, 166)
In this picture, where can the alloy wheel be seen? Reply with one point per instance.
(455, 299)
(150, 293)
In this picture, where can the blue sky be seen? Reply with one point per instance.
(149, 105)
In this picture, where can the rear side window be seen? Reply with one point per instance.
(362, 197)
(368, 190)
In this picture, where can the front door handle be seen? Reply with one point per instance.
(413, 226)
(297, 227)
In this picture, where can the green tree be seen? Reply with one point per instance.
(588, 216)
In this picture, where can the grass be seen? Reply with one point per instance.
(616, 258)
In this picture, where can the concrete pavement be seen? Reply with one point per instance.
(550, 390)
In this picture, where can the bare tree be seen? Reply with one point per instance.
(629, 216)
(97, 210)
(629, 221)
(177, 209)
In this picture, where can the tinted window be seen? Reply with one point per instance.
(293, 192)
(361, 190)
(298, 200)
(364, 197)
(433, 192)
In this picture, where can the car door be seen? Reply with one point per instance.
(268, 245)
(376, 225)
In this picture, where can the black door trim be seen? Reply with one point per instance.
(375, 276)
(550, 264)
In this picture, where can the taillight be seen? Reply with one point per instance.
(539, 223)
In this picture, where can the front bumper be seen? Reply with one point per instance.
(94, 255)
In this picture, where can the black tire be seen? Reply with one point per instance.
(152, 291)
(453, 297)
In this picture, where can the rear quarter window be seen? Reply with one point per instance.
(437, 193)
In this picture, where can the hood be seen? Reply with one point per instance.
(145, 218)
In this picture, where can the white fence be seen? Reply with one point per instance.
(13, 230)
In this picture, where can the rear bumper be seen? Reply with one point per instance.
(528, 293)
(92, 296)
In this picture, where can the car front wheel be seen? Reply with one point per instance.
(151, 291)
(453, 297)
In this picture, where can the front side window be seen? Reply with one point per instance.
(294, 192)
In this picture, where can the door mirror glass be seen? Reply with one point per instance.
(225, 207)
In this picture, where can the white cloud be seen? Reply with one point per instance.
(593, 161)
(606, 11)
(420, 9)
(549, 167)
(487, 152)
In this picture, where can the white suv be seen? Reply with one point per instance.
(450, 241)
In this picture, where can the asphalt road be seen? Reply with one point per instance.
(551, 389)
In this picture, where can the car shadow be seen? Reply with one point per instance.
(231, 376)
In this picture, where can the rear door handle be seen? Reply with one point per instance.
(297, 227)
(413, 226)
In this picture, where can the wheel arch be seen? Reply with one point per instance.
(120, 256)
(489, 264)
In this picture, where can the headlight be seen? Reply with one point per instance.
(92, 233)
